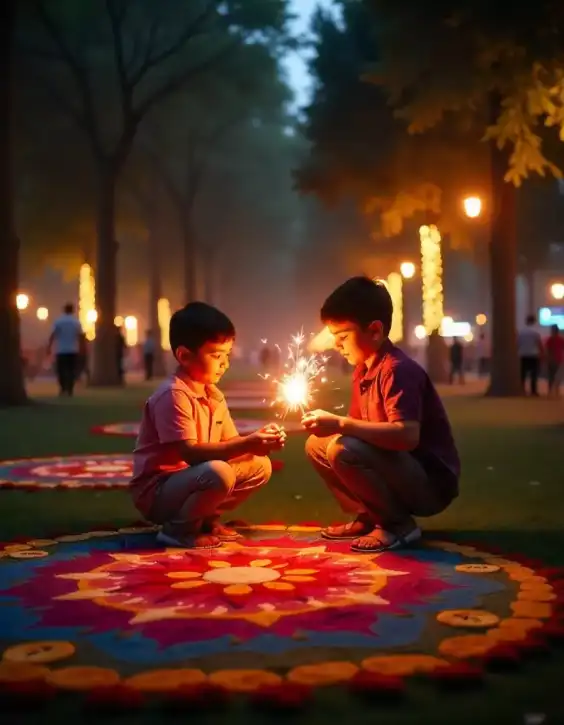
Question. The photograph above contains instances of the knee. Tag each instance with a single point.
(263, 469)
(343, 449)
(315, 447)
(220, 475)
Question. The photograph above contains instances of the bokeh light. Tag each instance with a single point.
(472, 206)
(481, 319)
(407, 270)
(557, 291)
(22, 301)
(42, 313)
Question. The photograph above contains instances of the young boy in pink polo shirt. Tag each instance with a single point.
(190, 464)
(393, 457)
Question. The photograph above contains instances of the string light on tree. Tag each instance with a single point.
(164, 314)
(431, 277)
(394, 283)
(87, 301)
(131, 331)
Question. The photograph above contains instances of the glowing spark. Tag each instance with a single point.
(294, 388)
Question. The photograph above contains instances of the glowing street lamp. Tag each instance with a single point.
(42, 313)
(472, 206)
(22, 302)
(407, 270)
(481, 319)
(420, 332)
(557, 291)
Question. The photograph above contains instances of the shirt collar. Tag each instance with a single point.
(367, 373)
(210, 391)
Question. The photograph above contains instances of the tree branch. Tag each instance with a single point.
(117, 12)
(152, 60)
(174, 84)
(77, 70)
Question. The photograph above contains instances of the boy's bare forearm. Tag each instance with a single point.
(194, 453)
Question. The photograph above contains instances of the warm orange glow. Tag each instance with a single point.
(472, 206)
(131, 331)
(557, 291)
(42, 313)
(481, 319)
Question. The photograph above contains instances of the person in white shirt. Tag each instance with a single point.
(67, 339)
(530, 347)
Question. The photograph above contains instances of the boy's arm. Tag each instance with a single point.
(402, 400)
(176, 426)
(228, 429)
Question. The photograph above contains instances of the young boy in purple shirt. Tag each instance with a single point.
(393, 457)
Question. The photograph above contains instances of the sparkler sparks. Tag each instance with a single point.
(294, 390)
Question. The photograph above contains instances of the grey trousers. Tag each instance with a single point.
(208, 489)
(389, 487)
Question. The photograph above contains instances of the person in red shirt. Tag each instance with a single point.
(394, 456)
(554, 350)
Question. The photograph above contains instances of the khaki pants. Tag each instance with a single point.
(205, 490)
(388, 486)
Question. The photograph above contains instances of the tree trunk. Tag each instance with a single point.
(106, 372)
(155, 294)
(12, 388)
(505, 381)
(190, 262)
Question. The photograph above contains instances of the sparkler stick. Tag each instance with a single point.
(294, 389)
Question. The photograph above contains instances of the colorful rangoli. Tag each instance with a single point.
(94, 471)
(273, 615)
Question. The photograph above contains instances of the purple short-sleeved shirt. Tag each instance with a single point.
(395, 388)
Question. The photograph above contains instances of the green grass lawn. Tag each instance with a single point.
(512, 496)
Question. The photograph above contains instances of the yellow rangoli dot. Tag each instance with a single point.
(17, 547)
(300, 572)
(299, 578)
(184, 574)
(40, 543)
(279, 585)
(188, 584)
(21, 672)
(260, 562)
(165, 680)
(244, 680)
(324, 673)
(41, 652)
(82, 678)
(237, 589)
(219, 564)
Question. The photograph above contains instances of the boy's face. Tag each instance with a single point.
(355, 343)
(209, 363)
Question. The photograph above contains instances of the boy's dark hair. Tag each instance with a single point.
(360, 300)
(198, 323)
(68, 309)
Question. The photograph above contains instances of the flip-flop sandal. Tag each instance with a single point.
(398, 543)
(228, 535)
(325, 534)
(187, 542)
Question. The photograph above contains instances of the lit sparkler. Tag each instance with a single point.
(294, 390)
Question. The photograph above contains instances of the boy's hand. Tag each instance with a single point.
(269, 438)
(322, 423)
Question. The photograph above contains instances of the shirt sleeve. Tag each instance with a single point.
(229, 429)
(174, 417)
(402, 393)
